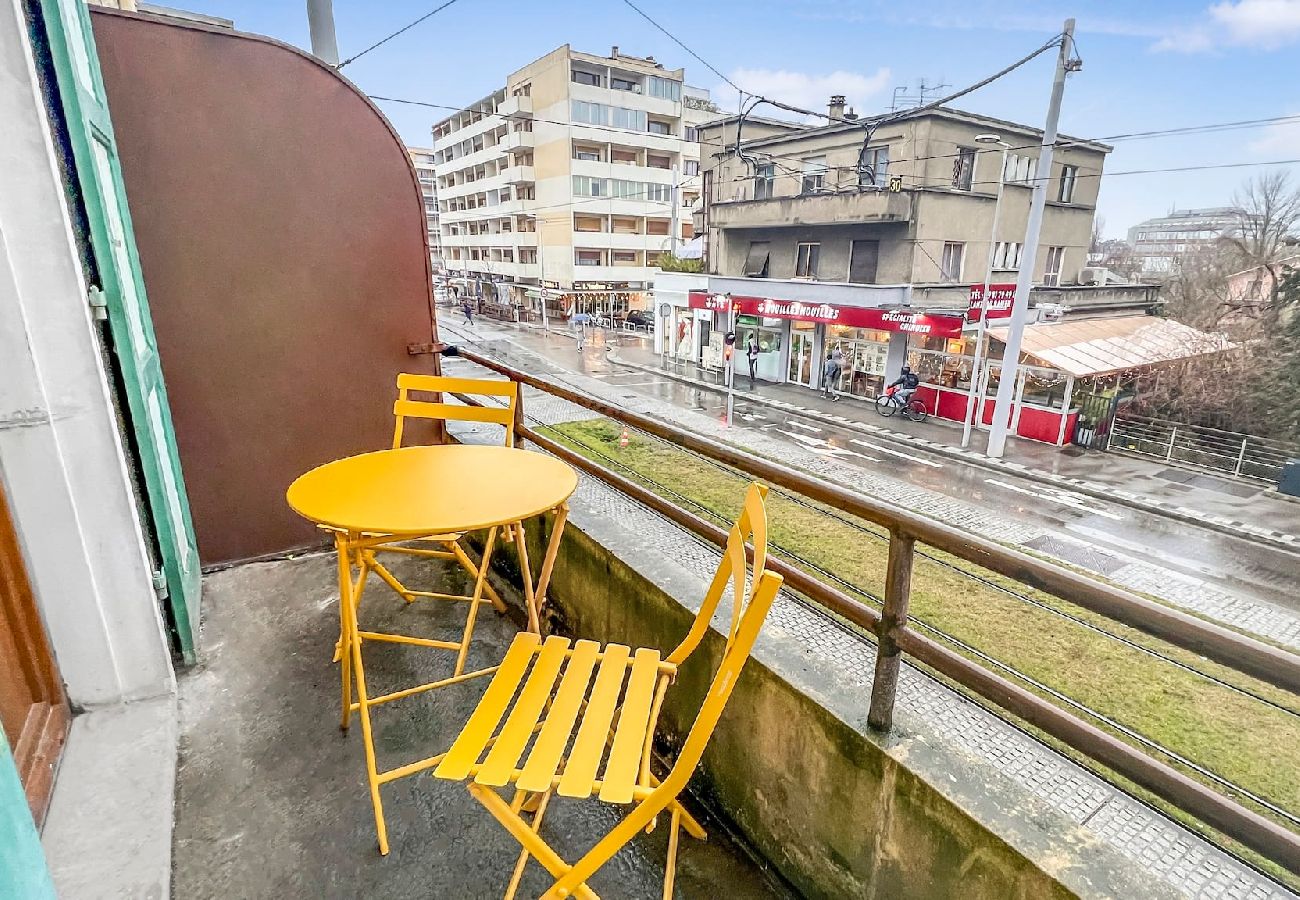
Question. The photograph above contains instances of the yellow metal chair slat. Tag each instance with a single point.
(464, 753)
(544, 760)
(633, 720)
(522, 721)
(579, 775)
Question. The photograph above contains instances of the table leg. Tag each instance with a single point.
(526, 576)
(479, 584)
(548, 562)
(363, 709)
(342, 652)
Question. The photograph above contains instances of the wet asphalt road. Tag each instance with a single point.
(1234, 565)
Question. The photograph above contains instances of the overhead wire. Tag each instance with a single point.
(402, 30)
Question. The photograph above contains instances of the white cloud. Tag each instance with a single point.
(1256, 24)
(804, 89)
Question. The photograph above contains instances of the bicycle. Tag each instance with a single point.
(889, 403)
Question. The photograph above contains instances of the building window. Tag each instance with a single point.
(756, 261)
(622, 84)
(664, 88)
(1020, 169)
(764, 180)
(874, 168)
(963, 169)
(659, 193)
(657, 226)
(585, 113)
(586, 186)
(591, 154)
(631, 119)
(691, 167)
(863, 258)
(590, 78)
(587, 257)
(692, 134)
(1006, 255)
(814, 174)
(588, 223)
(950, 266)
(657, 127)
(1068, 176)
(805, 263)
(625, 258)
(1055, 260)
(654, 161)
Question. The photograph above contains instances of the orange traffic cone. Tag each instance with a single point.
(623, 439)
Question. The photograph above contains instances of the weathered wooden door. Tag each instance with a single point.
(33, 710)
(120, 286)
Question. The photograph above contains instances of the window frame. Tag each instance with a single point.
(805, 263)
(813, 168)
(599, 80)
(1069, 181)
(764, 178)
(963, 168)
(1052, 274)
(757, 247)
(880, 174)
(945, 272)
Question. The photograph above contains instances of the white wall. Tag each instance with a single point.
(61, 457)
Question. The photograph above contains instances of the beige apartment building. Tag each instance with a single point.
(422, 159)
(569, 182)
(919, 210)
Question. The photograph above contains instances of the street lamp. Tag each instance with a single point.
(975, 373)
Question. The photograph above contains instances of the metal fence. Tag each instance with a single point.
(896, 636)
(1224, 452)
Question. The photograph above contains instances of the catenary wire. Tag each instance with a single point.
(401, 30)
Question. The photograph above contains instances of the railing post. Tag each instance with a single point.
(1173, 433)
(898, 593)
(1241, 457)
(519, 415)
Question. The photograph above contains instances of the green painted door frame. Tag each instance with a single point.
(23, 871)
(121, 289)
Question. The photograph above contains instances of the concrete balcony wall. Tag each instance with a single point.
(813, 209)
(516, 106)
(836, 293)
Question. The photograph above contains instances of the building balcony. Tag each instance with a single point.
(653, 244)
(517, 175)
(841, 208)
(516, 107)
(515, 140)
(500, 239)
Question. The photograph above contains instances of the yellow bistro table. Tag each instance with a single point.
(372, 500)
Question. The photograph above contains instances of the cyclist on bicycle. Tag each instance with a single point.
(906, 384)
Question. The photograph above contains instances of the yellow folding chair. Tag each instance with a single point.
(610, 697)
(448, 546)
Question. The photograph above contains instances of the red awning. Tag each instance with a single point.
(910, 321)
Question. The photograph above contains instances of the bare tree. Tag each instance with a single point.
(1098, 235)
(1269, 212)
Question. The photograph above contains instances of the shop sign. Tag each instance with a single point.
(1001, 298)
(851, 316)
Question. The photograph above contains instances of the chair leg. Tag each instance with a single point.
(670, 869)
(527, 838)
(343, 650)
(479, 584)
(536, 828)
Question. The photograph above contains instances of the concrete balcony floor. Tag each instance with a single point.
(271, 797)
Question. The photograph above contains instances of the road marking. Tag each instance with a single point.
(626, 384)
(821, 447)
(1074, 501)
(813, 428)
(924, 462)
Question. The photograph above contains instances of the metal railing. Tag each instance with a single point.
(1212, 449)
(895, 636)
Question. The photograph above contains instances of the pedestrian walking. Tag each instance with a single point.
(468, 310)
(580, 321)
(751, 354)
(831, 376)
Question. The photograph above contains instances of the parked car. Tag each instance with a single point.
(640, 317)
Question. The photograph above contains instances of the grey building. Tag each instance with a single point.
(422, 159)
(1160, 244)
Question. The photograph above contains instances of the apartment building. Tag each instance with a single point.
(875, 236)
(422, 159)
(1159, 244)
(569, 182)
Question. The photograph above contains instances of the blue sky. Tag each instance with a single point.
(1147, 65)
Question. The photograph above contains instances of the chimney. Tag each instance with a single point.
(836, 108)
(613, 53)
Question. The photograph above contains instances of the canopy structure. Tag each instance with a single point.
(1102, 346)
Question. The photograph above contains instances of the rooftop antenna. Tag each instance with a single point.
(905, 98)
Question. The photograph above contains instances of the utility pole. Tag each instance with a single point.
(672, 237)
(975, 396)
(1025, 279)
(320, 19)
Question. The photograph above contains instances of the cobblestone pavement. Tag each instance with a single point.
(1171, 853)
(1171, 587)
